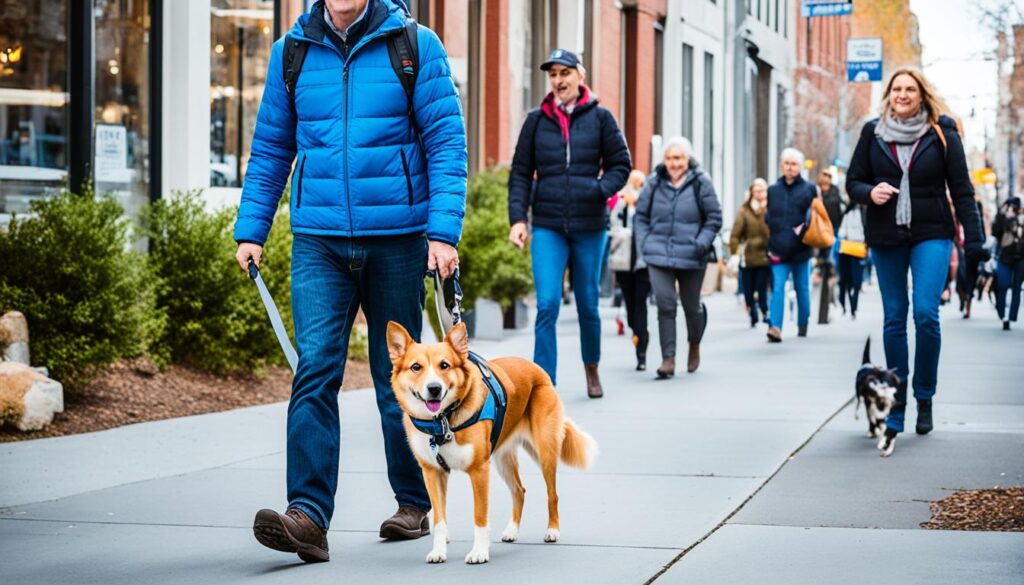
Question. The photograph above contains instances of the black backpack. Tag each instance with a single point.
(403, 48)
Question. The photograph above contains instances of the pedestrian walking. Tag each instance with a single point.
(903, 164)
(852, 252)
(678, 216)
(634, 283)
(1008, 229)
(789, 203)
(831, 198)
(377, 198)
(570, 158)
(750, 232)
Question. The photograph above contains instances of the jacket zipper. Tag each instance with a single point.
(408, 177)
(302, 169)
(344, 132)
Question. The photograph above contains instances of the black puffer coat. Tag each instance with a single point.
(932, 168)
(570, 192)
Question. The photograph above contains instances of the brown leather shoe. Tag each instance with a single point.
(292, 532)
(667, 369)
(774, 335)
(693, 360)
(594, 389)
(406, 524)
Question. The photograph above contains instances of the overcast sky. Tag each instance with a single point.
(955, 47)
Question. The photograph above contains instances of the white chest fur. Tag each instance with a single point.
(455, 455)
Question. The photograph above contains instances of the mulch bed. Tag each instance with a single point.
(134, 391)
(993, 510)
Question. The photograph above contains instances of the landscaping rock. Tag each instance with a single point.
(28, 399)
(14, 338)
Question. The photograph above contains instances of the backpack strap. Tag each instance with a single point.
(293, 57)
(404, 51)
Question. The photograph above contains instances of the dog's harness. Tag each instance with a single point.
(495, 404)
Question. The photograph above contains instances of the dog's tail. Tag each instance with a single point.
(867, 352)
(579, 449)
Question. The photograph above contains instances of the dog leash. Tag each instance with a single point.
(447, 297)
(275, 316)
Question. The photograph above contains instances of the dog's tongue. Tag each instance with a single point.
(433, 405)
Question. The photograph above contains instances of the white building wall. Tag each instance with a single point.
(186, 97)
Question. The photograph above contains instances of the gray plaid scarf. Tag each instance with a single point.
(904, 133)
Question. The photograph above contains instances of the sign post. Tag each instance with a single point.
(864, 60)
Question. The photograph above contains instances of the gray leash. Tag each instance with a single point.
(275, 316)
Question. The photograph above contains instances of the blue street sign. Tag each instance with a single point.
(809, 8)
(864, 71)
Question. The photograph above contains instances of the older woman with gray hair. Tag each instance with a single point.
(789, 200)
(677, 218)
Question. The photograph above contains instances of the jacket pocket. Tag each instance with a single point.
(302, 169)
(408, 177)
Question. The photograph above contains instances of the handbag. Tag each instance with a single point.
(819, 233)
(855, 249)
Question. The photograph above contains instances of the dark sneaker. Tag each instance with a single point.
(774, 335)
(406, 524)
(924, 417)
(291, 532)
(802, 331)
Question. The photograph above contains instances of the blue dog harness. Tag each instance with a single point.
(494, 407)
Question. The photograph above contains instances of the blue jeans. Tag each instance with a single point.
(928, 262)
(851, 277)
(552, 251)
(1008, 279)
(331, 278)
(801, 272)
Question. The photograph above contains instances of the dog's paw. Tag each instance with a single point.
(887, 444)
(511, 533)
(551, 535)
(437, 556)
(478, 556)
(873, 434)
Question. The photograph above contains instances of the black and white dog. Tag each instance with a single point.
(876, 388)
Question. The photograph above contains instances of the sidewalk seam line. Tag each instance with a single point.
(725, 520)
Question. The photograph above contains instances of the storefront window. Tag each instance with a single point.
(241, 36)
(121, 142)
(33, 101)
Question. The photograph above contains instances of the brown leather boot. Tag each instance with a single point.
(667, 369)
(693, 360)
(406, 524)
(594, 389)
(292, 532)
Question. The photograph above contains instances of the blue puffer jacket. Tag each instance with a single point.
(361, 170)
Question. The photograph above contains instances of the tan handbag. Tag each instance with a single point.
(819, 233)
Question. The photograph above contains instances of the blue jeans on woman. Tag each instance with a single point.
(331, 278)
(552, 251)
(928, 263)
(801, 272)
(851, 277)
(1008, 279)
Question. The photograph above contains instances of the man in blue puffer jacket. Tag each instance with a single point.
(377, 197)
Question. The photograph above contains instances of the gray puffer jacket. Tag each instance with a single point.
(670, 228)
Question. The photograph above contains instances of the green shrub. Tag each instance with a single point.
(88, 297)
(216, 320)
(490, 266)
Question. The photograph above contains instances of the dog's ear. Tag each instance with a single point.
(895, 376)
(398, 341)
(458, 338)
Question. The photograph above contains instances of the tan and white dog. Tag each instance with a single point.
(429, 379)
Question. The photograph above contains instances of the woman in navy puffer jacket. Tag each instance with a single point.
(570, 159)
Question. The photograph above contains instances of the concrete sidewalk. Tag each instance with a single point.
(173, 501)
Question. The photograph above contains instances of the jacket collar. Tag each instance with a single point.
(382, 18)
(796, 182)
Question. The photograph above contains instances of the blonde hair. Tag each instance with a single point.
(750, 190)
(930, 99)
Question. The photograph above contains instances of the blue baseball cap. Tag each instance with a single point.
(561, 57)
